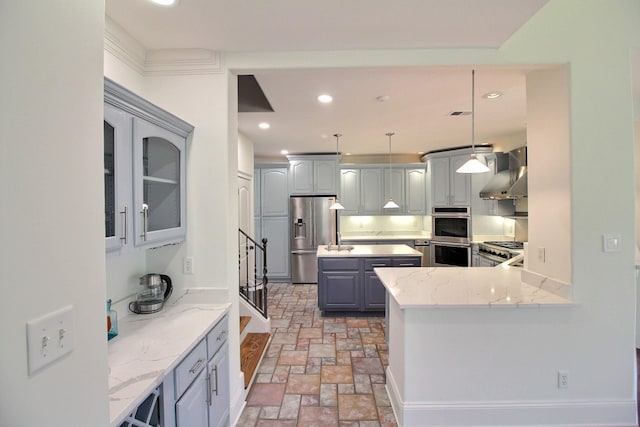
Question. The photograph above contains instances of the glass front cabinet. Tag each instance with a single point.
(144, 170)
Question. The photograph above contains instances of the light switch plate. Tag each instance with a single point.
(611, 242)
(49, 338)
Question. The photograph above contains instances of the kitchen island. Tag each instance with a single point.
(346, 280)
(464, 345)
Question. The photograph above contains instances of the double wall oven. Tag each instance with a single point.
(451, 236)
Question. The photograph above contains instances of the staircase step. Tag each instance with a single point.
(244, 321)
(251, 351)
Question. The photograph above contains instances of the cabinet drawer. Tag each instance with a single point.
(407, 262)
(190, 367)
(371, 263)
(217, 337)
(339, 264)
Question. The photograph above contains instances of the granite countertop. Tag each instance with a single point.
(367, 251)
(150, 346)
(484, 287)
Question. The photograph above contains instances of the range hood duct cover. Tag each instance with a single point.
(510, 183)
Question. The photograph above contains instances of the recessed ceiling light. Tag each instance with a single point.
(285, 152)
(325, 99)
(165, 2)
(492, 95)
(347, 154)
(382, 98)
(420, 152)
(264, 125)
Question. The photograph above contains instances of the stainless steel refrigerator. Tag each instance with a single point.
(313, 224)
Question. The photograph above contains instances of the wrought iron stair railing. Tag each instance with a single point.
(252, 267)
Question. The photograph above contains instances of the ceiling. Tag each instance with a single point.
(419, 99)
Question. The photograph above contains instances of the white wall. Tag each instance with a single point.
(245, 155)
(52, 209)
(549, 173)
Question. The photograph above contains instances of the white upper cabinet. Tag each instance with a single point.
(350, 191)
(159, 187)
(371, 189)
(313, 175)
(145, 172)
(273, 193)
(365, 189)
(117, 178)
(415, 200)
(460, 183)
(449, 188)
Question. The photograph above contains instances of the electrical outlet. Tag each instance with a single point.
(611, 242)
(563, 379)
(187, 265)
(49, 338)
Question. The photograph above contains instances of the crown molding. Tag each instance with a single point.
(165, 62)
(124, 47)
(171, 62)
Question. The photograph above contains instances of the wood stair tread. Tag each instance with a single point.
(244, 321)
(251, 351)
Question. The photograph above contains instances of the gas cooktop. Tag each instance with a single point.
(507, 245)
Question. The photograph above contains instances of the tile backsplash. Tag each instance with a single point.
(377, 223)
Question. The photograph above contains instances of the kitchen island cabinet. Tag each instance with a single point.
(457, 325)
(346, 280)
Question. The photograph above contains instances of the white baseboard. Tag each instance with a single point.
(552, 413)
(238, 401)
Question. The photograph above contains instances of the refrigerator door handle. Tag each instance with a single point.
(313, 229)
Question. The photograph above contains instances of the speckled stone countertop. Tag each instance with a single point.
(484, 287)
(367, 251)
(149, 346)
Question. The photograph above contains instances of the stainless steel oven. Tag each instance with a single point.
(451, 224)
(445, 254)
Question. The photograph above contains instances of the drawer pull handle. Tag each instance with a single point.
(196, 366)
(406, 264)
(378, 265)
(222, 336)
(216, 382)
(209, 400)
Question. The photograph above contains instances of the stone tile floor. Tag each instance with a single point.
(319, 370)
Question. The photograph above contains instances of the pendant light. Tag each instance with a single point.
(390, 204)
(336, 205)
(473, 165)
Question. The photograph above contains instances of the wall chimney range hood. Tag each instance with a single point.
(510, 183)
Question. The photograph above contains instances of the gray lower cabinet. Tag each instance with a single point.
(199, 385)
(350, 284)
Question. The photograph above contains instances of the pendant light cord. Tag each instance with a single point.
(473, 111)
(390, 134)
